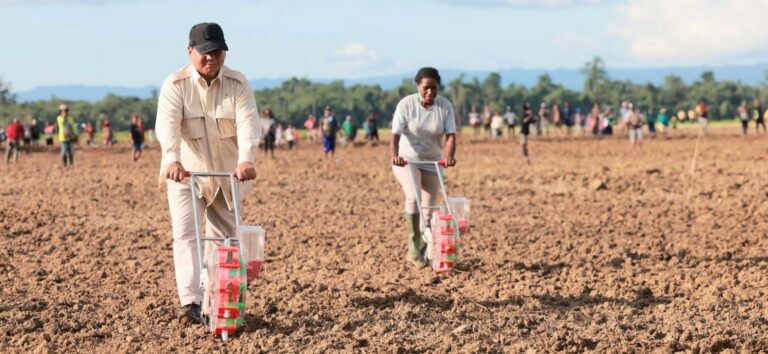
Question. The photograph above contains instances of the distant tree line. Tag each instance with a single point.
(296, 98)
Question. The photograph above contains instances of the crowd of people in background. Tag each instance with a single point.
(20, 137)
(555, 120)
(565, 121)
(756, 113)
(326, 131)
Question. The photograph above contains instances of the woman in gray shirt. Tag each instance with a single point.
(419, 125)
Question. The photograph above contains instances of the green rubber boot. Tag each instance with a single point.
(416, 246)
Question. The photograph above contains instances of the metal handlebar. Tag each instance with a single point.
(198, 227)
(210, 174)
(438, 162)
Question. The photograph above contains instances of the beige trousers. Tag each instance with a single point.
(427, 182)
(219, 221)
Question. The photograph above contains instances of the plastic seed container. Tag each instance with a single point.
(460, 207)
(228, 287)
(252, 240)
(446, 241)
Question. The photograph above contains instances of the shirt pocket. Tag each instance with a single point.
(225, 119)
(226, 127)
(192, 127)
(192, 123)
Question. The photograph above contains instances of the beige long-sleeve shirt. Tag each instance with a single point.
(207, 127)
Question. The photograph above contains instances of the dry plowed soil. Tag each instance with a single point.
(593, 246)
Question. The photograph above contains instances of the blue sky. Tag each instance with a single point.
(138, 42)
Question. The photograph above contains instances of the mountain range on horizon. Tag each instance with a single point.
(572, 78)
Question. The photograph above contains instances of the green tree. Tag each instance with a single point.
(515, 95)
(704, 89)
(646, 95)
(596, 80)
(544, 86)
(491, 90)
(672, 93)
(6, 96)
(297, 97)
(457, 93)
(560, 95)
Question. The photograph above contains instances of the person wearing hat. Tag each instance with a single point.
(67, 135)
(207, 121)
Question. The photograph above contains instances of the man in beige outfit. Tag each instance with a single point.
(207, 120)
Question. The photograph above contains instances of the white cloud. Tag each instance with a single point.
(353, 57)
(680, 30)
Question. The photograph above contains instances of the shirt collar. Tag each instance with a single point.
(199, 79)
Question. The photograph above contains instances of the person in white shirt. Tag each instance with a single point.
(497, 125)
(423, 129)
(474, 121)
(511, 119)
(279, 132)
(290, 136)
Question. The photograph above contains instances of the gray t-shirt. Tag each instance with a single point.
(422, 129)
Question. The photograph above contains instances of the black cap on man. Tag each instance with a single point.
(206, 37)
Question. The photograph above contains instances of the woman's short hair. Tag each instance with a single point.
(427, 73)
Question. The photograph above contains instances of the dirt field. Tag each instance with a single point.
(592, 247)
